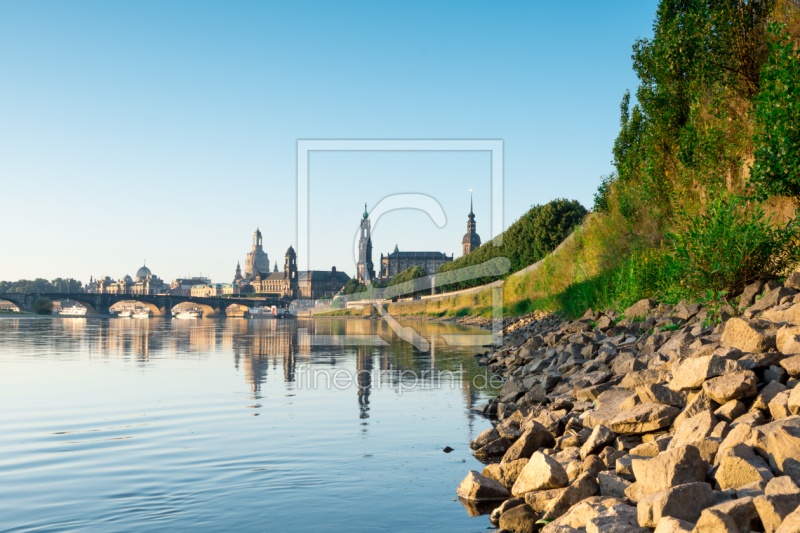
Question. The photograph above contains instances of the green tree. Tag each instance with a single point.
(777, 115)
(43, 306)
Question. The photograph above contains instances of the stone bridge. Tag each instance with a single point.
(159, 304)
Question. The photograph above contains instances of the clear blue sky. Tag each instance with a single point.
(167, 130)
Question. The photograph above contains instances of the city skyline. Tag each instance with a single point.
(173, 147)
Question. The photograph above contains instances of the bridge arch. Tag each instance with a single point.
(17, 306)
(236, 310)
(190, 304)
(153, 308)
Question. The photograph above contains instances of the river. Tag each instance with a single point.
(248, 425)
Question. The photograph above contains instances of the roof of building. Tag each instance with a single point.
(323, 275)
(417, 255)
(471, 237)
(143, 272)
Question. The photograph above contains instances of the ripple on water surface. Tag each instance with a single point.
(120, 424)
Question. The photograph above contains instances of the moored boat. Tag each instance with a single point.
(142, 314)
(72, 311)
(188, 315)
(125, 314)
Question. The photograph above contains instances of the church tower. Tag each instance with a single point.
(257, 260)
(238, 278)
(365, 269)
(290, 273)
(471, 240)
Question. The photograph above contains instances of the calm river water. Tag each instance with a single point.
(220, 425)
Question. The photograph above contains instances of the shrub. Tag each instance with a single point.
(730, 245)
(43, 306)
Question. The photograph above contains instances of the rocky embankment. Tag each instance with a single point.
(659, 422)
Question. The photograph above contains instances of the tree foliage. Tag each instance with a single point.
(43, 306)
(777, 114)
(529, 239)
(40, 285)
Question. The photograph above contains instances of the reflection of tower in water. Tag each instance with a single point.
(269, 342)
(364, 380)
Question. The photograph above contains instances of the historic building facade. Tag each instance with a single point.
(284, 284)
(257, 260)
(397, 261)
(471, 240)
(146, 283)
(316, 284)
(365, 270)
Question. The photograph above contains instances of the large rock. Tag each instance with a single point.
(732, 386)
(477, 488)
(667, 524)
(742, 511)
(600, 437)
(536, 436)
(608, 406)
(787, 340)
(507, 505)
(781, 497)
(505, 473)
(701, 403)
(691, 373)
(794, 401)
(679, 466)
(612, 485)
(539, 500)
(749, 295)
(694, 429)
(640, 309)
(739, 466)
(740, 434)
(792, 365)
(580, 514)
(783, 446)
(580, 489)
(791, 523)
(659, 374)
(779, 406)
(731, 411)
(767, 394)
(484, 438)
(643, 418)
(496, 447)
(685, 502)
(616, 519)
(541, 473)
(770, 299)
(748, 335)
(713, 521)
(519, 519)
(658, 393)
(783, 314)
(512, 389)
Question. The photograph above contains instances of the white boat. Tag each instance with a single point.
(186, 315)
(72, 311)
(125, 314)
(141, 314)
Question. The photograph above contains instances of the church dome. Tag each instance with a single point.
(290, 251)
(143, 272)
(471, 238)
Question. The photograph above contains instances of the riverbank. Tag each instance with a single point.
(680, 418)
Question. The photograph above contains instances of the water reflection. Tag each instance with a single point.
(308, 353)
(147, 425)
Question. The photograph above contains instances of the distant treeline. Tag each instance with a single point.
(525, 242)
(41, 285)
